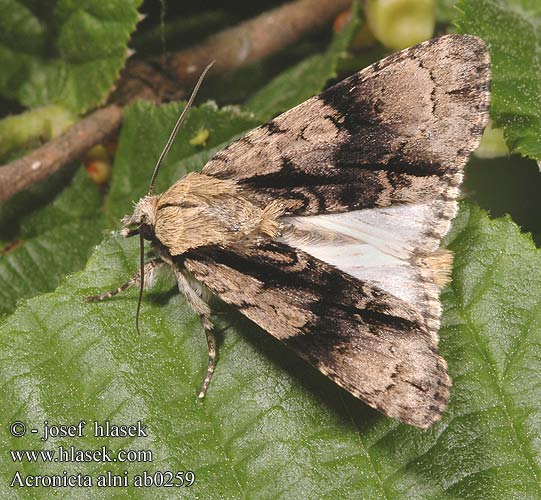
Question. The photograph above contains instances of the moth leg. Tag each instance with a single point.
(203, 311)
(211, 344)
(149, 272)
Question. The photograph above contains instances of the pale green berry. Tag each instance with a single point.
(398, 24)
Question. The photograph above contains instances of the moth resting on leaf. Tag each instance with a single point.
(323, 226)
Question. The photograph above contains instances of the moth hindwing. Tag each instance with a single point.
(323, 226)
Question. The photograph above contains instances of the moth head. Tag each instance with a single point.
(142, 220)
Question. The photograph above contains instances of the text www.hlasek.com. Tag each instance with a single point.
(72, 454)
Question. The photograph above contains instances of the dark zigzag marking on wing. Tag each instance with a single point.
(337, 293)
(310, 195)
(368, 140)
(343, 170)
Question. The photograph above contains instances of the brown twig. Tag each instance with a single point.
(158, 80)
(50, 157)
(255, 39)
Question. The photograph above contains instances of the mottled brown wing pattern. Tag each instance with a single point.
(390, 140)
(369, 342)
(400, 131)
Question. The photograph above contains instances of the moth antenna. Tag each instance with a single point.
(177, 126)
(141, 280)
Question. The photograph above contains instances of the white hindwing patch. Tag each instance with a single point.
(386, 246)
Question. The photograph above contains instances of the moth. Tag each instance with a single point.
(323, 226)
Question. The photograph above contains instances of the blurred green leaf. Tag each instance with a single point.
(506, 186)
(304, 79)
(512, 31)
(34, 126)
(445, 11)
(43, 244)
(63, 52)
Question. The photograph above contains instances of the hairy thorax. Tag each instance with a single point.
(199, 211)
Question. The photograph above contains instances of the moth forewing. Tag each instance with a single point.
(323, 226)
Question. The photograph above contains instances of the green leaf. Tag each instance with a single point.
(492, 338)
(512, 30)
(63, 52)
(268, 415)
(43, 244)
(306, 78)
(36, 125)
(144, 134)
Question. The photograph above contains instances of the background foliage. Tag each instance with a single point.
(271, 427)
